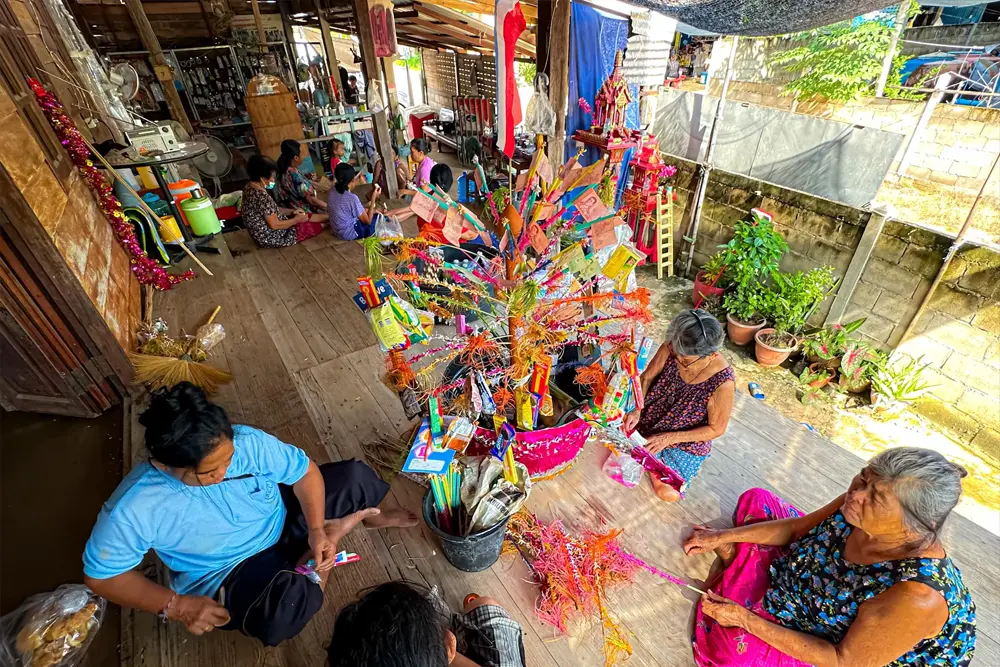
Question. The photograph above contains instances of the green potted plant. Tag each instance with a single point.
(895, 385)
(813, 378)
(858, 364)
(754, 251)
(743, 311)
(788, 305)
(826, 346)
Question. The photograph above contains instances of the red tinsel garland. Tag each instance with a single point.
(146, 270)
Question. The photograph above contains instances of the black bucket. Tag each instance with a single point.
(472, 553)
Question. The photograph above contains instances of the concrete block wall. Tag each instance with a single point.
(959, 332)
(950, 163)
(959, 335)
(971, 34)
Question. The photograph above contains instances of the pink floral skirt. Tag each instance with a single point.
(745, 581)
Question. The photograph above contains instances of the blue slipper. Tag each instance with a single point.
(755, 391)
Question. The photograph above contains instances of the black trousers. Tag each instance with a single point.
(264, 595)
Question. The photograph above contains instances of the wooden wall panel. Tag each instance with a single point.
(442, 82)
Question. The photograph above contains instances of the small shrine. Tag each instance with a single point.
(639, 200)
(608, 131)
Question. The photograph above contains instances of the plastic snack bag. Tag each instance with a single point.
(623, 469)
(51, 629)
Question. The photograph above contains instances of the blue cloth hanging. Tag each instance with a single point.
(594, 39)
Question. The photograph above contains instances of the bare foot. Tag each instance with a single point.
(337, 528)
(392, 518)
(664, 491)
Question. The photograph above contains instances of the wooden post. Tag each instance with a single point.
(876, 221)
(261, 35)
(330, 52)
(370, 66)
(559, 75)
(542, 29)
(162, 69)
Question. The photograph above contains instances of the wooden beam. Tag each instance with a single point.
(261, 35)
(330, 52)
(370, 67)
(485, 40)
(161, 68)
(172, 8)
(468, 24)
(559, 75)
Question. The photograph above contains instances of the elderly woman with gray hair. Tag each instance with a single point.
(689, 389)
(862, 581)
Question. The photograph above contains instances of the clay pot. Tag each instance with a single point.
(771, 356)
(741, 333)
(819, 384)
(703, 290)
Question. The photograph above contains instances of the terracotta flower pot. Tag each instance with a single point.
(821, 382)
(741, 333)
(703, 290)
(768, 355)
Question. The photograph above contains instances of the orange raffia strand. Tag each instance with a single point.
(593, 379)
(479, 350)
(504, 399)
(400, 374)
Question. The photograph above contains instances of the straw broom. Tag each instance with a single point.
(158, 371)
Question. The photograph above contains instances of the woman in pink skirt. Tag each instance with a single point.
(862, 581)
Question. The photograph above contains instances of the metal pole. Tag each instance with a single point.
(902, 18)
(956, 245)
(706, 167)
(940, 87)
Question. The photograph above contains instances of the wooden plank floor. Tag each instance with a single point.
(306, 368)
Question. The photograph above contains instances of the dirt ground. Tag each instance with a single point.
(851, 426)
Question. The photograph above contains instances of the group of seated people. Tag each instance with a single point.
(232, 512)
(281, 205)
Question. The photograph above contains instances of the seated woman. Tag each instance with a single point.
(294, 190)
(862, 581)
(399, 624)
(442, 177)
(231, 511)
(689, 389)
(261, 215)
(349, 219)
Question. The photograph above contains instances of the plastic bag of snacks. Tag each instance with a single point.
(51, 629)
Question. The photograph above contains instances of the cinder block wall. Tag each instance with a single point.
(959, 332)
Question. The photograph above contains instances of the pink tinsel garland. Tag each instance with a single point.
(146, 271)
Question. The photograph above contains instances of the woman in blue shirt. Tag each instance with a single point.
(231, 511)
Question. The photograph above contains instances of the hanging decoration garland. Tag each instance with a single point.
(146, 270)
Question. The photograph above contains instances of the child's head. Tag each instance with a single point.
(343, 177)
(442, 177)
(395, 623)
(338, 148)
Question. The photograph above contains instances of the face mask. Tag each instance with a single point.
(270, 185)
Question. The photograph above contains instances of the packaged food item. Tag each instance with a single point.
(52, 629)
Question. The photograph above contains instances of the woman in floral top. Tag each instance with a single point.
(862, 581)
(295, 191)
(689, 389)
(268, 225)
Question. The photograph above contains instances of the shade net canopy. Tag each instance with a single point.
(761, 17)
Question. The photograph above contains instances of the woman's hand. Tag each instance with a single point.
(703, 540)
(323, 548)
(631, 421)
(376, 191)
(301, 216)
(199, 614)
(726, 613)
(657, 443)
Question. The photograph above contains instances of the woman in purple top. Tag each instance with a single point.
(349, 219)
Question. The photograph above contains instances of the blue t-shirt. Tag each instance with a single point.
(344, 209)
(199, 532)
